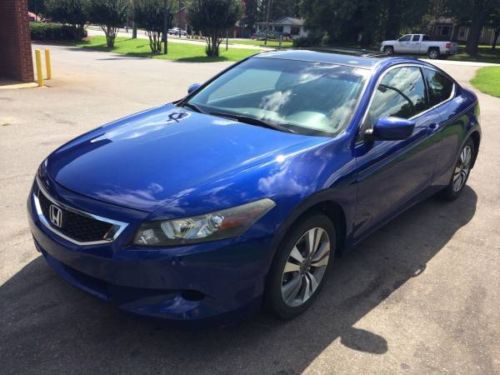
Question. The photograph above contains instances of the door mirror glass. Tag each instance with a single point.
(193, 87)
(391, 129)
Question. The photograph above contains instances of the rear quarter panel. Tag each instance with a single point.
(459, 121)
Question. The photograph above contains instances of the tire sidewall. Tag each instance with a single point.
(389, 51)
(430, 54)
(273, 298)
(448, 193)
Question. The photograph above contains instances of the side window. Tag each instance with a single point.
(425, 38)
(416, 38)
(405, 38)
(440, 86)
(401, 93)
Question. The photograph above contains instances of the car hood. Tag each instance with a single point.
(146, 159)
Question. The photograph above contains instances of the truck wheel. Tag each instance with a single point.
(433, 53)
(389, 51)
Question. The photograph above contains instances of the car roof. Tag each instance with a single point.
(322, 57)
(367, 62)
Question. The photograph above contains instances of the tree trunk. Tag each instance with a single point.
(110, 33)
(479, 15)
(393, 25)
(154, 42)
(134, 30)
(495, 38)
(213, 45)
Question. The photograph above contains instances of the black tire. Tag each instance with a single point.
(451, 192)
(274, 299)
(389, 51)
(433, 53)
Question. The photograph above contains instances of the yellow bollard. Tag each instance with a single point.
(48, 65)
(38, 61)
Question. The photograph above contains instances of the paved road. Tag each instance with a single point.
(419, 296)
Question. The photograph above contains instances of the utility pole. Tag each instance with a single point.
(268, 12)
(165, 27)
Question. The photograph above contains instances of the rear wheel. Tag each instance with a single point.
(433, 53)
(300, 268)
(461, 172)
(389, 51)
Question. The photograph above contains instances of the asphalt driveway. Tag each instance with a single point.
(422, 295)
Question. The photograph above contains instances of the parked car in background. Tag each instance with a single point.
(419, 44)
(246, 190)
(177, 31)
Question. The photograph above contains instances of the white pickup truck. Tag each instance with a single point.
(416, 44)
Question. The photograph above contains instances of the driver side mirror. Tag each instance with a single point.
(193, 87)
(390, 129)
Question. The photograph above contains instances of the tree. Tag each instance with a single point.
(476, 12)
(36, 6)
(150, 15)
(362, 21)
(494, 23)
(110, 15)
(67, 11)
(213, 18)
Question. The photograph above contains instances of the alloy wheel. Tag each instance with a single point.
(305, 267)
(462, 169)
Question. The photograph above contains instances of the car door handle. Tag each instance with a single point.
(434, 126)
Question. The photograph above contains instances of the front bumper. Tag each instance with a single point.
(183, 283)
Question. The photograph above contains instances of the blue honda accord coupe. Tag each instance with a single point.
(243, 193)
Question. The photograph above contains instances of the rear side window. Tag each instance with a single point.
(416, 38)
(401, 93)
(440, 86)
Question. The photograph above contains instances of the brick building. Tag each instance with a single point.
(15, 41)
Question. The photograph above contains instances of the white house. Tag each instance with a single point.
(287, 26)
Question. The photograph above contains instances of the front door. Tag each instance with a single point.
(391, 173)
(403, 44)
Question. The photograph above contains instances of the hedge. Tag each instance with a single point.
(55, 32)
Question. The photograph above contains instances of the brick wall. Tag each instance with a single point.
(15, 41)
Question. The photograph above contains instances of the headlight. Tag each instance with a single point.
(231, 222)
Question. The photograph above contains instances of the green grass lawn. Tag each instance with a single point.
(260, 43)
(176, 51)
(485, 55)
(487, 80)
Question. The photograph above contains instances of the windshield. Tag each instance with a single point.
(297, 96)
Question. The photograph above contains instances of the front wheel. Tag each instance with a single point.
(389, 51)
(300, 268)
(461, 172)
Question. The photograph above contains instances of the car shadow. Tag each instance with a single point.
(50, 326)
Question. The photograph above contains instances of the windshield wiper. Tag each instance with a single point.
(253, 121)
(192, 106)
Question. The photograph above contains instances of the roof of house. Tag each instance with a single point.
(288, 21)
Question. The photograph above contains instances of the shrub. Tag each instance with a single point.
(213, 18)
(56, 32)
(110, 15)
(67, 12)
(313, 39)
(150, 15)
